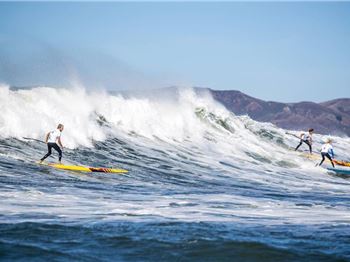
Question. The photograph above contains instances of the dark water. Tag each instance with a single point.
(172, 241)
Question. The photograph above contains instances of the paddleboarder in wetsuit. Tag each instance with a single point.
(307, 139)
(327, 151)
(53, 140)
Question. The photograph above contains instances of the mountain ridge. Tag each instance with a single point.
(329, 117)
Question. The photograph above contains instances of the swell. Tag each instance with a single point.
(177, 241)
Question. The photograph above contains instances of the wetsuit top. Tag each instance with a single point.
(53, 136)
(327, 148)
(306, 136)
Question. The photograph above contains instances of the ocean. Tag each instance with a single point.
(203, 184)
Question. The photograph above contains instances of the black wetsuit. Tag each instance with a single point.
(306, 142)
(49, 151)
(323, 154)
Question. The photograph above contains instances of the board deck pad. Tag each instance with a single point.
(84, 168)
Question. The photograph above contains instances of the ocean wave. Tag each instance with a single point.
(191, 162)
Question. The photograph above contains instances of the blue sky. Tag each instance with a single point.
(274, 51)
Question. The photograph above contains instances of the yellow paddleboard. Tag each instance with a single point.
(318, 157)
(85, 169)
(314, 156)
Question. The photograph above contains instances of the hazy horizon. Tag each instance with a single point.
(286, 52)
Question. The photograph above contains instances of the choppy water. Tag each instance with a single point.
(203, 184)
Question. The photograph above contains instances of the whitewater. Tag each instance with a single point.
(203, 184)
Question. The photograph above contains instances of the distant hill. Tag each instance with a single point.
(331, 117)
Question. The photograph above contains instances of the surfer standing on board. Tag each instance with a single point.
(51, 139)
(327, 151)
(307, 139)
